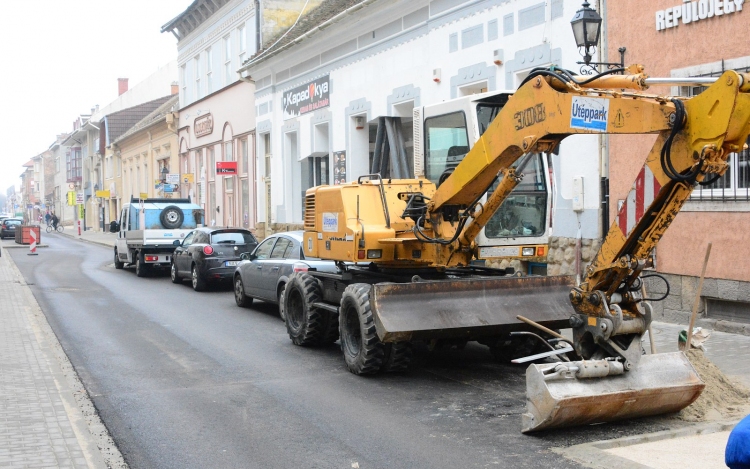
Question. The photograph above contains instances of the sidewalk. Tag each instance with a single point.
(103, 238)
(42, 424)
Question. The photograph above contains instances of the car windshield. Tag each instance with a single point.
(232, 238)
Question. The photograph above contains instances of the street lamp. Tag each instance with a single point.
(587, 25)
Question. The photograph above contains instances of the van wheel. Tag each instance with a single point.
(363, 350)
(304, 323)
(118, 264)
(141, 269)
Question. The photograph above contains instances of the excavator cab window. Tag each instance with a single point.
(447, 144)
(524, 212)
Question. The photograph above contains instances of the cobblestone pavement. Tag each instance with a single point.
(40, 423)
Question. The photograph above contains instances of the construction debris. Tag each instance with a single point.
(722, 398)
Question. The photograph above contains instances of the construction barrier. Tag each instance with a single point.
(23, 234)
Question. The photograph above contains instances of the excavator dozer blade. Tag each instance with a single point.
(660, 384)
(468, 308)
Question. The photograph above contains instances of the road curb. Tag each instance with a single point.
(99, 448)
(594, 455)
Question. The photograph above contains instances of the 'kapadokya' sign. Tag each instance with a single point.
(691, 11)
(305, 98)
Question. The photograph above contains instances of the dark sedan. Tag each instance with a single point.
(210, 254)
(265, 272)
(8, 227)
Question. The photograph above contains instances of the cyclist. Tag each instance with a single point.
(55, 221)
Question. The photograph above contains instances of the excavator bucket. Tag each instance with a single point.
(468, 308)
(659, 384)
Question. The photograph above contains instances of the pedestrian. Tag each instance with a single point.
(47, 218)
(737, 454)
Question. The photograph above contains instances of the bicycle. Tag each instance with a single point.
(51, 228)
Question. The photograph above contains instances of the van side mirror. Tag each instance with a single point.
(176, 242)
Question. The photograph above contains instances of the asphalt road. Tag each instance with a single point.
(184, 379)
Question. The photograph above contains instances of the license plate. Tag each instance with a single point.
(231, 263)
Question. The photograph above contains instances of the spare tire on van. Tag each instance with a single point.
(171, 217)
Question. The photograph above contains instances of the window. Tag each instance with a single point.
(209, 71)
(734, 185)
(183, 81)
(197, 64)
(233, 237)
(280, 248)
(245, 204)
(228, 152)
(211, 163)
(447, 144)
(73, 165)
(243, 156)
(227, 60)
(267, 149)
(524, 211)
(188, 239)
(243, 43)
(264, 250)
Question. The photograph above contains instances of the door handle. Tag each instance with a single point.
(275, 268)
(258, 267)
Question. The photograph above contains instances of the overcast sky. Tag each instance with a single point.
(63, 57)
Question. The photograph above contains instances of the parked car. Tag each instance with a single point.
(263, 274)
(8, 227)
(210, 254)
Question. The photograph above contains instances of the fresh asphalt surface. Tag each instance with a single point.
(184, 379)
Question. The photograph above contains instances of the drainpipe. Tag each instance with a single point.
(604, 139)
(258, 45)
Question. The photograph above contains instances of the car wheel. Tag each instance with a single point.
(199, 283)
(141, 269)
(118, 265)
(363, 351)
(173, 275)
(305, 324)
(282, 292)
(242, 300)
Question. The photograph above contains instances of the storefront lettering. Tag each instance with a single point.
(203, 125)
(691, 11)
(306, 98)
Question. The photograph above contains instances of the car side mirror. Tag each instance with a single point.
(176, 242)
(246, 256)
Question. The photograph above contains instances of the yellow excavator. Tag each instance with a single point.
(406, 252)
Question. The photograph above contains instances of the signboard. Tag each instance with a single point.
(188, 178)
(203, 125)
(339, 167)
(589, 113)
(306, 98)
(173, 178)
(170, 187)
(143, 195)
(81, 212)
(71, 196)
(79, 197)
(102, 194)
(226, 167)
(691, 12)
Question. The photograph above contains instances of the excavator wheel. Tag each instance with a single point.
(397, 357)
(363, 351)
(305, 324)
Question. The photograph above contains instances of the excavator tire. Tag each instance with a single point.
(363, 350)
(331, 328)
(397, 357)
(305, 324)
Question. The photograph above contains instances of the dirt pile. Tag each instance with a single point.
(722, 397)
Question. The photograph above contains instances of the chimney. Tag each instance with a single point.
(122, 85)
(175, 88)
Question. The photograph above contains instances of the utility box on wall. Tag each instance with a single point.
(578, 193)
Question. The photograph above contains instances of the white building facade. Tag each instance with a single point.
(384, 58)
(216, 116)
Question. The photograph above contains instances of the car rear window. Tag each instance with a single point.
(12, 222)
(232, 238)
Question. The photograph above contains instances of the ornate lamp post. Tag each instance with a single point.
(587, 25)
